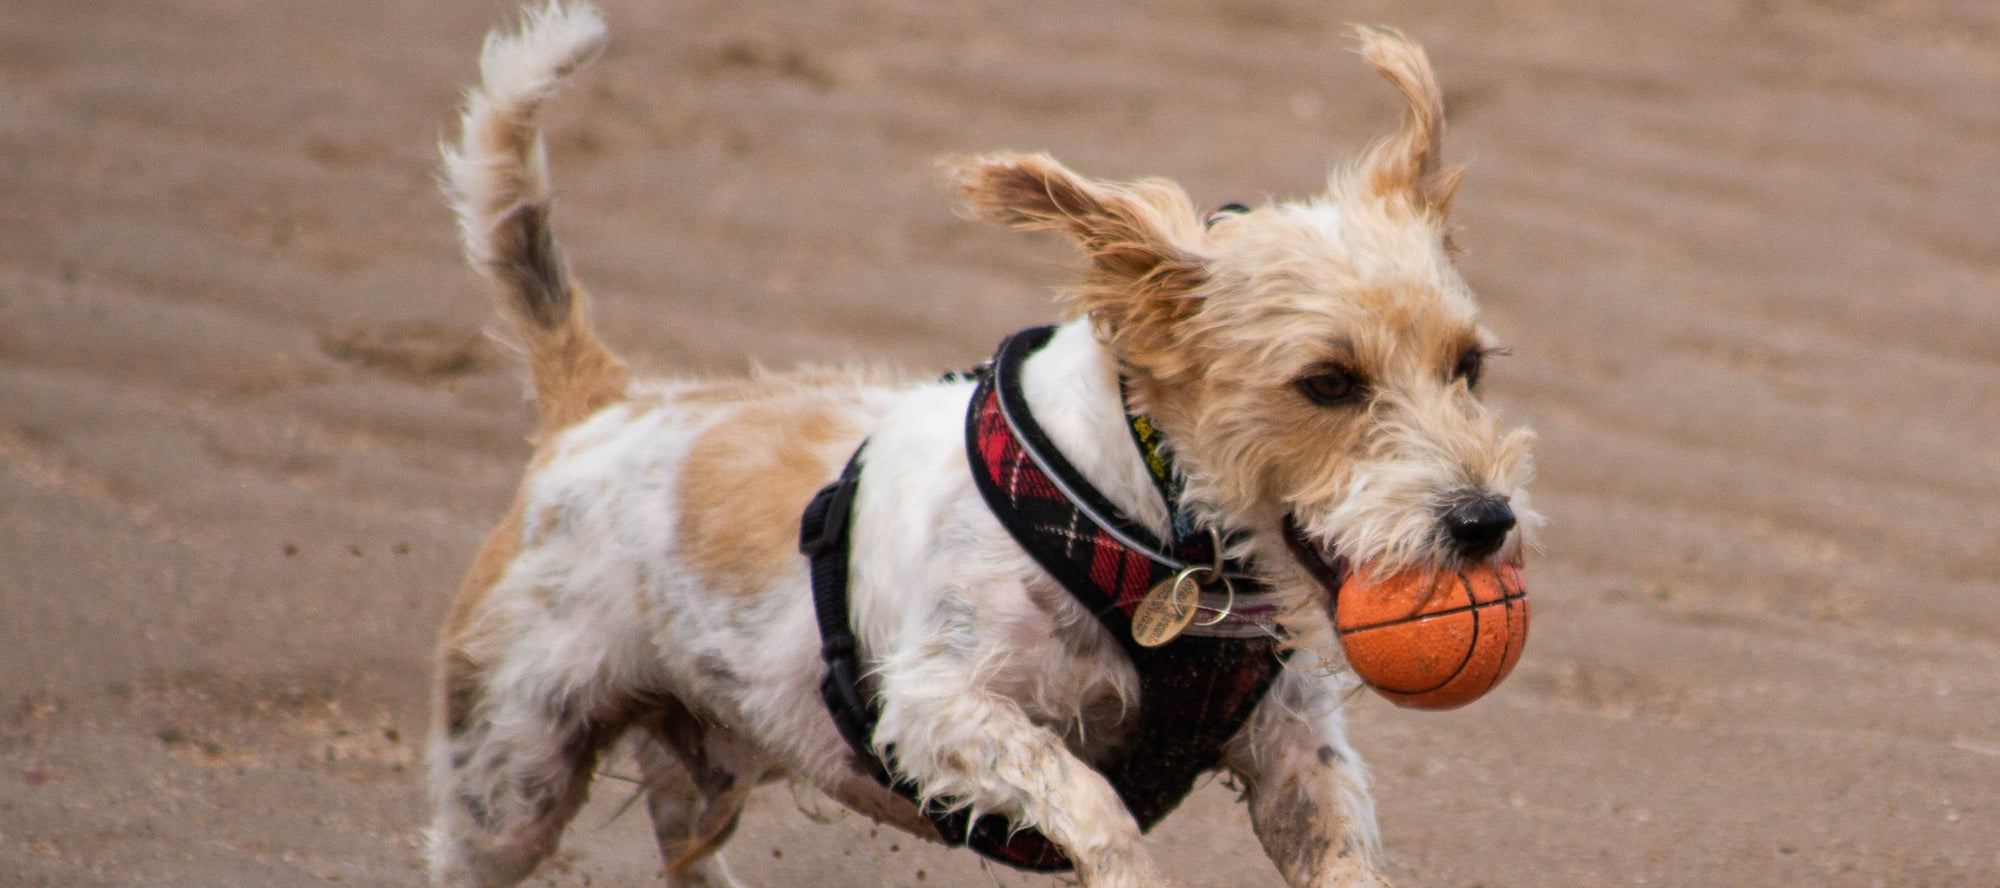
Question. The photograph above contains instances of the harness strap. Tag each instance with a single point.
(1195, 691)
(825, 539)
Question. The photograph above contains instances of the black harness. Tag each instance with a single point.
(1195, 691)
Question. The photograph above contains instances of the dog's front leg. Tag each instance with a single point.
(963, 742)
(1308, 791)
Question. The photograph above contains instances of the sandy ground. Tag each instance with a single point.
(250, 430)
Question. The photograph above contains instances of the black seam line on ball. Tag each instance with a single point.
(1504, 599)
(1456, 671)
(1507, 638)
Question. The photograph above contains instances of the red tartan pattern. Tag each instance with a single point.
(1195, 693)
(1125, 574)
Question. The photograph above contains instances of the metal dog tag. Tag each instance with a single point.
(1167, 609)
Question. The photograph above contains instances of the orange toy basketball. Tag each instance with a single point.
(1434, 639)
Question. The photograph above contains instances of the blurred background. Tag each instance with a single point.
(252, 429)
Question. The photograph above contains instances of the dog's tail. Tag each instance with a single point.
(497, 180)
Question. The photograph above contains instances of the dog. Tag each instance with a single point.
(1311, 369)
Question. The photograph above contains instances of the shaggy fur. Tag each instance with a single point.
(1312, 366)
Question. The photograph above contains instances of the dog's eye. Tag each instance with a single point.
(1330, 387)
(1223, 212)
(1469, 365)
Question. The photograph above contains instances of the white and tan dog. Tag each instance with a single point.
(1313, 367)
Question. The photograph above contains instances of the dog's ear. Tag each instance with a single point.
(1408, 161)
(1145, 273)
(1129, 229)
(1139, 236)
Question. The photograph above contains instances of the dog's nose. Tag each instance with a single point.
(1480, 525)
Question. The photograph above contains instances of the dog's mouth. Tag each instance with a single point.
(1326, 568)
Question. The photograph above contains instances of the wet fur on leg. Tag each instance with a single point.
(645, 580)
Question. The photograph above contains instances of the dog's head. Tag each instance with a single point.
(1314, 365)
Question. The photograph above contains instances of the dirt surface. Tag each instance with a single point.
(1745, 253)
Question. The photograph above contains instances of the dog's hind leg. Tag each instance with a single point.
(507, 780)
(530, 690)
(696, 784)
(677, 807)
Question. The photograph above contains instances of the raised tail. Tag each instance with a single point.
(497, 180)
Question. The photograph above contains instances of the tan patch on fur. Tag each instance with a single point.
(487, 568)
(575, 374)
(746, 481)
(457, 672)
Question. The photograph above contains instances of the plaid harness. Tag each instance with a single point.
(1195, 691)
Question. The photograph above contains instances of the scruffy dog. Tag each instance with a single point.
(1311, 369)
